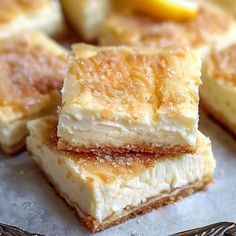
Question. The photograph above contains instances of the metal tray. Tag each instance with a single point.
(29, 202)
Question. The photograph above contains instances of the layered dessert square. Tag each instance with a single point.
(218, 92)
(41, 15)
(106, 191)
(213, 27)
(130, 100)
(31, 76)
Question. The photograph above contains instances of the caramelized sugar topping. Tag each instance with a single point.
(223, 64)
(120, 79)
(9, 9)
(28, 74)
(208, 21)
(141, 30)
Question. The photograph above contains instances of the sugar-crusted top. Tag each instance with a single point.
(131, 81)
(142, 30)
(222, 65)
(11, 9)
(29, 73)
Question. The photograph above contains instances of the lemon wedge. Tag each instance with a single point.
(177, 10)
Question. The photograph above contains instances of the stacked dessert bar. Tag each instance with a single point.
(126, 138)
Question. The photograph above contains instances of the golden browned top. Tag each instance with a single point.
(222, 65)
(141, 30)
(11, 9)
(133, 80)
(106, 167)
(28, 73)
(210, 20)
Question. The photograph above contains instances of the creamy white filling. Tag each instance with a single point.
(49, 20)
(12, 133)
(13, 123)
(100, 199)
(77, 126)
(218, 42)
(221, 96)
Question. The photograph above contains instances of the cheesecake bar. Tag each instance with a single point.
(86, 16)
(132, 100)
(218, 92)
(213, 27)
(106, 191)
(40, 15)
(229, 5)
(31, 76)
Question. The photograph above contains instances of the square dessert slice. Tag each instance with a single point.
(106, 191)
(86, 16)
(40, 15)
(213, 27)
(133, 100)
(31, 76)
(218, 93)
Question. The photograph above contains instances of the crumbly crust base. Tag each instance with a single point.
(14, 149)
(161, 200)
(218, 117)
(129, 150)
(154, 203)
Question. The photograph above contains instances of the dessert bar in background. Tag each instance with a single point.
(31, 76)
(218, 92)
(213, 27)
(86, 16)
(40, 15)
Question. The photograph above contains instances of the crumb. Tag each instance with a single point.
(135, 234)
(139, 221)
(22, 172)
(222, 173)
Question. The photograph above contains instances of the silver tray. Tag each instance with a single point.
(29, 202)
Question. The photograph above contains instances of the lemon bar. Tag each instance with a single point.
(218, 93)
(106, 191)
(31, 77)
(124, 99)
(213, 27)
(40, 15)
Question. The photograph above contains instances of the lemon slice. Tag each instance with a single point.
(177, 10)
